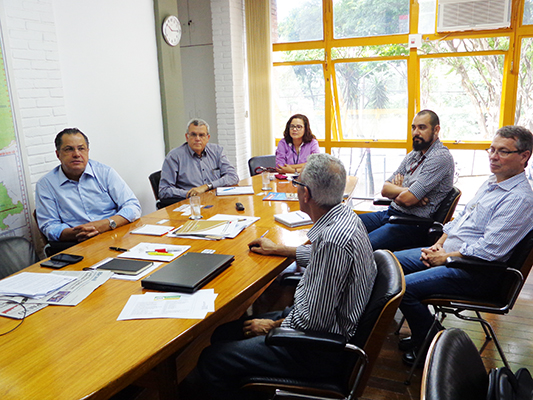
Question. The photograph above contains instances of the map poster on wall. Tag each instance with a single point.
(14, 210)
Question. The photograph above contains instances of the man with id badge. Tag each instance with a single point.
(194, 167)
(490, 226)
(416, 188)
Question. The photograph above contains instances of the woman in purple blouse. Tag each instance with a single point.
(297, 144)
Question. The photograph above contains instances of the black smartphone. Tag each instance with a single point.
(67, 258)
(54, 264)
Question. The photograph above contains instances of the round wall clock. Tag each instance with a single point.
(171, 30)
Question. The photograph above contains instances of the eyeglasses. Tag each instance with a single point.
(197, 135)
(501, 153)
(295, 183)
(70, 149)
(296, 127)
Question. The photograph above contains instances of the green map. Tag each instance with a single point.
(14, 210)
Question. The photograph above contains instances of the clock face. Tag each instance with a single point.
(172, 30)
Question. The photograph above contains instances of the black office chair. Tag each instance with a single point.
(16, 253)
(261, 161)
(514, 274)
(454, 369)
(364, 347)
(441, 216)
(154, 178)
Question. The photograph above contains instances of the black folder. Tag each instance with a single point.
(188, 273)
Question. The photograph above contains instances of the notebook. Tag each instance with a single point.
(293, 219)
(188, 273)
(124, 266)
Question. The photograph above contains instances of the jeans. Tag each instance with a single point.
(422, 283)
(392, 236)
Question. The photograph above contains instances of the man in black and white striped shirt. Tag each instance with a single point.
(337, 283)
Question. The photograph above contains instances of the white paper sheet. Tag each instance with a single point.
(169, 305)
(154, 230)
(32, 284)
(142, 250)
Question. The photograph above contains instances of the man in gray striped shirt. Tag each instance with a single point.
(336, 285)
(490, 226)
(416, 188)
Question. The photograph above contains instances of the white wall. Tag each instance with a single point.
(108, 59)
(93, 65)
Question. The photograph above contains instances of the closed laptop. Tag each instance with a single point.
(188, 273)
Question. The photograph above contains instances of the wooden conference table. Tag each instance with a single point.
(83, 352)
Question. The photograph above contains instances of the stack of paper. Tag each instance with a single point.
(33, 285)
(234, 190)
(154, 230)
(169, 305)
(294, 219)
(154, 252)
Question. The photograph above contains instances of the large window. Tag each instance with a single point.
(361, 69)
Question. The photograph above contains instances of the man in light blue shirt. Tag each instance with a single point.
(81, 198)
(195, 167)
(490, 226)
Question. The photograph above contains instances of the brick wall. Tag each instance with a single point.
(30, 37)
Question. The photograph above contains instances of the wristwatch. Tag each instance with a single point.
(209, 186)
(112, 223)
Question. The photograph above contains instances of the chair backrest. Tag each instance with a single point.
(154, 178)
(375, 321)
(454, 369)
(522, 260)
(16, 253)
(261, 161)
(447, 207)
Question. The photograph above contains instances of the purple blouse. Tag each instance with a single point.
(285, 153)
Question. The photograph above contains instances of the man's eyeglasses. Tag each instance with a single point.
(296, 127)
(501, 153)
(197, 135)
(70, 149)
(295, 183)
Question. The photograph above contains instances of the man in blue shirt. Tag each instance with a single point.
(416, 188)
(81, 198)
(490, 226)
(195, 167)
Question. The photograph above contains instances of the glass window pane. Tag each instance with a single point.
(298, 55)
(371, 166)
(471, 170)
(465, 45)
(528, 12)
(465, 92)
(524, 99)
(387, 50)
(373, 99)
(296, 21)
(299, 89)
(427, 10)
(369, 18)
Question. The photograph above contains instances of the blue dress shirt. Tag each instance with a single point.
(100, 193)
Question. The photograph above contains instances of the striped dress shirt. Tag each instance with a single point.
(339, 277)
(494, 221)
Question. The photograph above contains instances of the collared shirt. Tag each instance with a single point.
(430, 176)
(494, 221)
(183, 170)
(339, 277)
(100, 193)
(286, 154)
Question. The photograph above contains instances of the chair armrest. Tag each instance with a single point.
(291, 279)
(312, 340)
(382, 201)
(400, 219)
(474, 263)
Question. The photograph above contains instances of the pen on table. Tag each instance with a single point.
(117, 248)
(225, 190)
(263, 235)
(300, 215)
